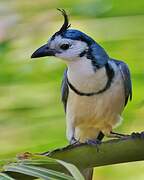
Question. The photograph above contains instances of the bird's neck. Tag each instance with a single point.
(82, 76)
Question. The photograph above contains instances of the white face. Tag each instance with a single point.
(67, 49)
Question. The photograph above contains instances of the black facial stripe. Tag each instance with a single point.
(95, 65)
(91, 58)
(93, 61)
(82, 53)
(110, 72)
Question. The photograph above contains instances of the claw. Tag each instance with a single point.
(118, 135)
(142, 134)
(137, 135)
(74, 141)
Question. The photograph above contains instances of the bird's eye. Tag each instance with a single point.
(64, 46)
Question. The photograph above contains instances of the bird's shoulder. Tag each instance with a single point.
(126, 76)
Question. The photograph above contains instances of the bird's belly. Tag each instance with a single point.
(101, 112)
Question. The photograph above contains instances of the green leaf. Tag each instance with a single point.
(5, 177)
(38, 172)
(42, 166)
(73, 170)
(46, 162)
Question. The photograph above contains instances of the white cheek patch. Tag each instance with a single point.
(79, 46)
(74, 51)
(76, 48)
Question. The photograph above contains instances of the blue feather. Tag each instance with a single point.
(77, 35)
(126, 79)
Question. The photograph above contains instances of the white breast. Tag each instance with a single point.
(86, 116)
(82, 76)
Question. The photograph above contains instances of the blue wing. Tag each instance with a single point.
(64, 90)
(126, 79)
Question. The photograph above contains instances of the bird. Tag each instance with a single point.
(95, 87)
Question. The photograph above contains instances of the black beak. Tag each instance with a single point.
(43, 51)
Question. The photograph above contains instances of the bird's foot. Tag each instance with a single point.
(117, 135)
(74, 142)
(137, 135)
(94, 142)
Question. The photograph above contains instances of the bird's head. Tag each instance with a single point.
(70, 44)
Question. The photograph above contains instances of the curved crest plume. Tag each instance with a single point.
(66, 24)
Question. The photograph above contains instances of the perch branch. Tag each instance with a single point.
(107, 153)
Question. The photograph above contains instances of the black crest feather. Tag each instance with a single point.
(66, 24)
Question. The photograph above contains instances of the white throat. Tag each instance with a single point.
(82, 76)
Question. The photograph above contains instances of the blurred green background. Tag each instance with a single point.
(31, 114)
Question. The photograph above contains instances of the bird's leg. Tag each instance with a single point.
(94, 142)
(117, 135)
(74, 141)
(137, 135)
(70, 132)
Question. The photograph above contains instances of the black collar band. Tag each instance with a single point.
(110, 75)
